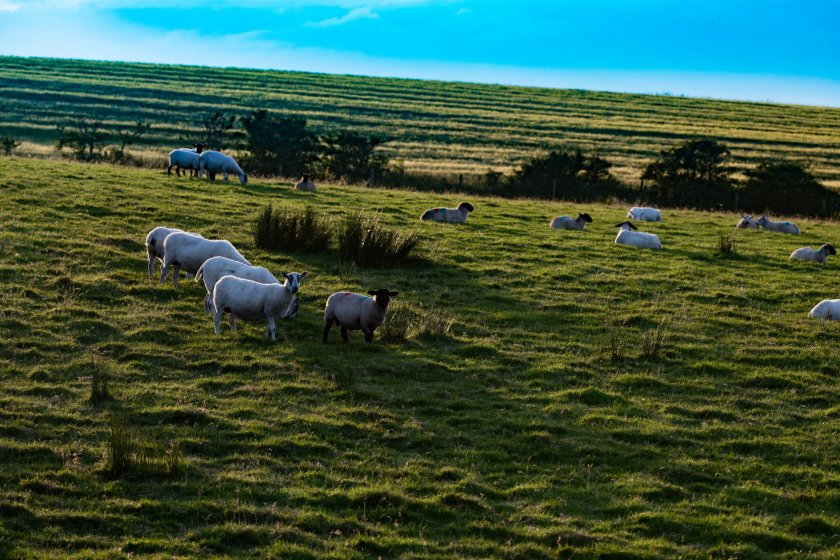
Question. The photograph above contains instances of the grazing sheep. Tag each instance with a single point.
(565, 222)
(252, 301)
(215, 268)
(636, 238)
(356, 311)
(814, 255)
(828, 309)
(189, 252)
(305, 184)
(154, 245)
(747, 222)
(781, 227)
(449, 215)
(184, 158)
(216, 162)
(644, 214)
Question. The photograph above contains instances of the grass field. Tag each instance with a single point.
(434, 127)
(590, 401)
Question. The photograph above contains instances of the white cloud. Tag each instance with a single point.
(352, 5)
(352, 15)
(6, 6)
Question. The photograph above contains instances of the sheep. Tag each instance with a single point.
(449, 215)
(154, 245)
(781, 227)
(215, 267)
(747, 222)
(644, 214)
(305, 184)
(356, 311)
(636, 238)
(189, 252)
(814, 255)
(184, 158)
(828, 309)
(252, 301)
(565, 222)
(216, 162)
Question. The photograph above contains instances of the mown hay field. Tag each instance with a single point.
(434, 127)
(588, 401)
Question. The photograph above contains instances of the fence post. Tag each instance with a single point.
(460, 181)
(553, 189)
(372, 175)
(279, 169)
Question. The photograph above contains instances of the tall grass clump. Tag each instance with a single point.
(99, 384)
(124, 453)
(363, 240)
(653, 340)
(404, 322)
(292, 229)
(726, 245)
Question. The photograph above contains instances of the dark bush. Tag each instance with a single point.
(365, 241)
(292, 230)
(278, 145)
(349, 156)
(565, 174)
(692, 174)
(786, 187)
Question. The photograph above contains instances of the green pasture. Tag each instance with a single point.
(444, 128)
(589, 401)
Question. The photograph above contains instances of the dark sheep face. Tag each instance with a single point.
(830, 249)
(626, 223)
(306, 178)
(466, 206)
(383, 296)
(586, 218)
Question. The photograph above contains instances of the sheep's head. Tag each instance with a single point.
(243, 179)
(382, 296)
(466, 206)
(762, 220)
(293, 280)
(199, 148)
(585, 217)
(829, 248)
(306, 178)
(626, 226)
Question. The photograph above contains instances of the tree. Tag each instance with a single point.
(692, 174)
(217, 129)
(8, 143)
(279, 145)
(84, 137)
(575, 175)
(785, 186)
(128, 136)
(350, 156)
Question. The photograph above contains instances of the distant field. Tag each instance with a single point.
(435, 127)
(591, 401)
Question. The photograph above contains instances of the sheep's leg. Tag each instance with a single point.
(327, 326)
(344, 336)
(272, 329)
(208, 304)
(164, 270)
(368, 335)
(151, 256)
(225, 175)
(175, 270)
(217, 320)
(232, 322)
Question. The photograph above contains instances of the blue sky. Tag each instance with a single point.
(775, 50)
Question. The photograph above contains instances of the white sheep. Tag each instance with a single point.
(814, 255)
(781, 227)
(154, 245)
(215, 268)
(828, 309)
(305, 184)
(566, 222)
(747, 222)
(216, 162)
(356, 311)
(184, 158)
(636, 238)
(449, 215)
(644, 214)
(252, 301)
(182, 250)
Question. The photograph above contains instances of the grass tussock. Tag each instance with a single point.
(365, 241)
(404, 322)
(292, 230)
(653, 340)
(124, 453)
(726, 245)
(99, 383)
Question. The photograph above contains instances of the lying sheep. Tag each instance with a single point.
(814, 255)
(636, 238)
(565, 222)
(356, 311)
(216, 162)
(781, 227)
(747, 222)
(449, 215)
(184, 158)
(154, 245)
(828, 309)
(252, 301)
(305, 184)
(644, 214)
(182, 250)
(215, 268)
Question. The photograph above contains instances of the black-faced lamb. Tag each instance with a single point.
(305, 184)
(567, 222)
(636, 238)
(252, 301)
(188, 252)
(356, 311)
(449, 215)
(214, 162)
(814, 255)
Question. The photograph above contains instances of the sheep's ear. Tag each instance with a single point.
(619, 225)
(371, 293)
(393, 294)
(285, 275)
(303, 274)
(632, 226)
